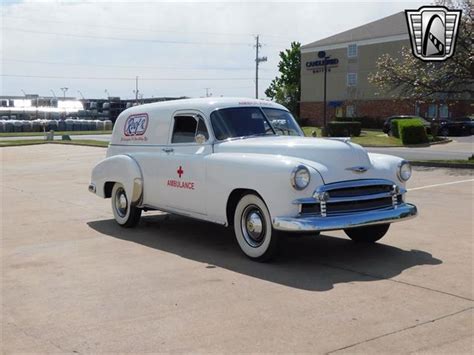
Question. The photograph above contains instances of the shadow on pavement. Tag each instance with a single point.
(305, 262)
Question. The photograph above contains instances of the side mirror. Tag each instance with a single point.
(200, 138)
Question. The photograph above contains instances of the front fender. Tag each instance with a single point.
(267, 174)
(118, 168)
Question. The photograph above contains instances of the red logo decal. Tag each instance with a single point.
(180, 171)
(136, 125)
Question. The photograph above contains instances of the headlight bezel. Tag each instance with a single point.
(402, 174)
(300, 169)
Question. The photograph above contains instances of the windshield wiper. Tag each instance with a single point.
(258, 135)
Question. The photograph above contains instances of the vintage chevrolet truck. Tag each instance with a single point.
(246, 164)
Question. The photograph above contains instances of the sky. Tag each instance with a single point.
(97, 48)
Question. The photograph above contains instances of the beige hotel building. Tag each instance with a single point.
(352, 57)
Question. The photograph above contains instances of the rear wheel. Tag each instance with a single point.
(125, 214)
(369, 234)
(253, 229)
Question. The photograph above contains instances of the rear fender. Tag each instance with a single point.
(118, 168)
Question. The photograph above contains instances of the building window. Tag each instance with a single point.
(351, 79)
(443, 111)
(350, 111)
(432, 110)
(352, 50)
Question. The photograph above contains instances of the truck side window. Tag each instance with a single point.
(201, 128)
(184, 129)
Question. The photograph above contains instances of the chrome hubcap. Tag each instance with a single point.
(121, 202)
(253, 226)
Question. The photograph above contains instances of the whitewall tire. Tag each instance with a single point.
(126, 215)
(253, 228)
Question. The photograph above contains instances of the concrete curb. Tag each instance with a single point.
(408, 146)
(50, 142)
(435, 164)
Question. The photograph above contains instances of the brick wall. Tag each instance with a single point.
(313, 111)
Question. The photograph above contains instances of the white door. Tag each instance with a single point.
(182, 179)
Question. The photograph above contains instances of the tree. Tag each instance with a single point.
(285, 89)
(409, 77)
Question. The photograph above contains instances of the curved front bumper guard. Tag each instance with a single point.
(344, 221)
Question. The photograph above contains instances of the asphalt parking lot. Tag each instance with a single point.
(73, 281)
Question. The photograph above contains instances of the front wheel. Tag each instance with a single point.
(125, 214)
(369, 234)
(253, 229)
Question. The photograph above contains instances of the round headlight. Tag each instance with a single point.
(404, 171)
(300, 177)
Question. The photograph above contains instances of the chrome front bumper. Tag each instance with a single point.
(343, 221)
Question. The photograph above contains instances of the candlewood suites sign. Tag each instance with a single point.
(317, 66)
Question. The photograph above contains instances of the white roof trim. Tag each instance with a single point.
(363, 42)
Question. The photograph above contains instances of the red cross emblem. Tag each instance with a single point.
(180, 171)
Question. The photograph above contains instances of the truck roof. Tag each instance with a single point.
(159, 115)
(205, 104)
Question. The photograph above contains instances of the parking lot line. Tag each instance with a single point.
(443, 184)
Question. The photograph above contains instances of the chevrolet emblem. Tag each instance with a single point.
(358, 169)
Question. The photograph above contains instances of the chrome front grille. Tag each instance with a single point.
(351, 197)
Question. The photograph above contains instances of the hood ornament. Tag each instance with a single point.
(358, 169)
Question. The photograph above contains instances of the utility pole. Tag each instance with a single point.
(257, 61)
(207, 92)
(136, 89)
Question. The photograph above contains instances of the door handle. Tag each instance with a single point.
(168, 150)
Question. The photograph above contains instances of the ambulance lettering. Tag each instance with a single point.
(180, 184)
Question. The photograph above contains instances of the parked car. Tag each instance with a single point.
(387, 126)
(225, 161)
(455, 126)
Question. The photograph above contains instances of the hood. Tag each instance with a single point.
(331, 157)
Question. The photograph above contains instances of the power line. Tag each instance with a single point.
(124, 38)
(147, 30)
(122, 78)
(121, 66)
(108, 38)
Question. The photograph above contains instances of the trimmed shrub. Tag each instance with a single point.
(344, 129)
(412, 132)
(394, 128)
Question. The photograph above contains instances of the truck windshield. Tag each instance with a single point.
(282, 122)
(240, 122)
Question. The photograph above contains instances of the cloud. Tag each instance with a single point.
(210, 43)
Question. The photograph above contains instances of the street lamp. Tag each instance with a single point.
(64, 91)
(322, 54)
